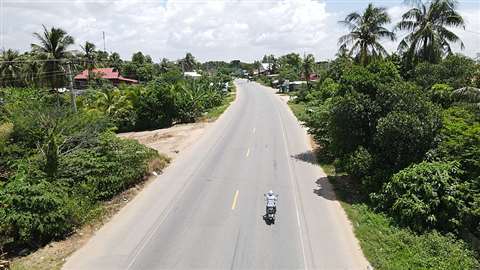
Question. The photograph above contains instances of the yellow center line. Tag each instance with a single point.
(248, 152)
(234, 203)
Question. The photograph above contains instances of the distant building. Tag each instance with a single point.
(192, 74)
(110, 74)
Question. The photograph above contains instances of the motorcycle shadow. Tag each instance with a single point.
(268, 221)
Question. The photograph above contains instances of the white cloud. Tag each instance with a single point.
(221, 29)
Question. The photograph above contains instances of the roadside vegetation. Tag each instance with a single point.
(399, 136)
(60, 158)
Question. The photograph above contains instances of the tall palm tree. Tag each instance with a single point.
(115, 61)
(308, 67)
(52, 47)
(366, 31)
(10, 69)
(429, 38)
(89, 57)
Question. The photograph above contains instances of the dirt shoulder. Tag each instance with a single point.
(170, 141)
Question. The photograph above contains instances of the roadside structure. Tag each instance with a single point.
(109, 74)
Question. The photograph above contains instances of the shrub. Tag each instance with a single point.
(155, 108)
(359, 163)
(34, 211)
(102, 171)
(402, 138)
(441, 94)
(360, 79)
(425, 196)
(352, 122)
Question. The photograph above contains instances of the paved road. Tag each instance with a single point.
(205, 211)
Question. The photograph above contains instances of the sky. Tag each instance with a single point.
(210, 30)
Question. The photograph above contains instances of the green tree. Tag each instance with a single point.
(428, 25)
(366, 31)
(308, 67)
(115, 61)
(188, 63)
(52, 48)
(10, 68)
(89, 58)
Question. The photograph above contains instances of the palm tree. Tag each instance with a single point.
(53, 49)
(188, 63)
(429, 39)
(308, 66)
(31, 69)
(366, 30)
(10, 68)
(115, 61)
(89, 57)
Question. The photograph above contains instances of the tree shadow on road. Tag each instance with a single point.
(309, 157)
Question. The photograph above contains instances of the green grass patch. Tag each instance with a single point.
(299, 110)
(390, 247)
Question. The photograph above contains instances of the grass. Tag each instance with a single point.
(386, 245)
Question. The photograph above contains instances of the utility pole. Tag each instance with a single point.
(72, 91)
(104, 47)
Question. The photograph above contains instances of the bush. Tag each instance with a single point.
(359, 79)
(156, 107)
(102, 171)
(34, 211)
(441, 94)
(359, 163)
(426, 196)
(352, 122)
(402, 138)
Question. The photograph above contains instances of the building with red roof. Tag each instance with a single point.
(110, 74)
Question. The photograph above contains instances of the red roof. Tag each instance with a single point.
(105, 73)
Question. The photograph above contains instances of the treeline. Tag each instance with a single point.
(59, 155)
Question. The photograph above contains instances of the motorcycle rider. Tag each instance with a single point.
(271, 200)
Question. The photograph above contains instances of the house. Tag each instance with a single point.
(110, 74)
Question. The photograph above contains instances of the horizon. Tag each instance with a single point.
(211, 30)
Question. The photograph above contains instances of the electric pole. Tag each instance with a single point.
(72, 92)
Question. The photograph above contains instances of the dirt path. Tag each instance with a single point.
(169, 141)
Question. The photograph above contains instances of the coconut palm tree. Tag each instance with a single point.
(308, 67)
(115, 61)
(89, 58)
(366, 31)
(53, 47)
(10, 68)
(429, 38)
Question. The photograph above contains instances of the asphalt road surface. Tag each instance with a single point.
(206, 210)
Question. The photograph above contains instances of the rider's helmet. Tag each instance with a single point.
(270, 193)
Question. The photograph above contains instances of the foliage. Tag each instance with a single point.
(441, 94)
(107, 168)
(359, 163)
(428, 24)
(426, 196)
(155, 108)
(352, 122)
(34, 211)
(390, 247)
(365, 32)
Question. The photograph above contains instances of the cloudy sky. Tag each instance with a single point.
(211, 30)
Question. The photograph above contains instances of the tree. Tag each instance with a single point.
(89, 58)
(429, 38)
(115, 61)
(188, 63)
(308, 67)
(53, 47)
(10, 69)
(366, 30)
